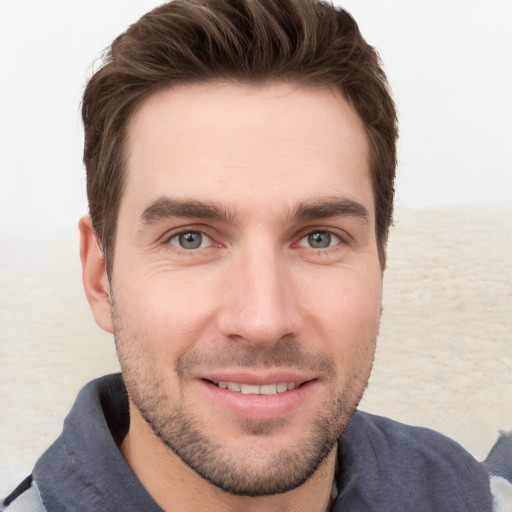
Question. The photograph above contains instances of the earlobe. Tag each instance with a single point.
(94, 275)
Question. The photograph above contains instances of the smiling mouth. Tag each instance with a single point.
(254, 389)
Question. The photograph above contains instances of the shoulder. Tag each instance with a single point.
(397, 439)
(396, 466)
(25, 498)
(405, 440)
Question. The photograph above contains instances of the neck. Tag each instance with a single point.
(176, 487)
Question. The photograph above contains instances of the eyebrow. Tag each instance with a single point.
(166, 207)
(330, 207)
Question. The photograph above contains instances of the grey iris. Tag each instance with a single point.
(319, 240)
(190, 240)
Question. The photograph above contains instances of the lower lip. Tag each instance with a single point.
(259, 407)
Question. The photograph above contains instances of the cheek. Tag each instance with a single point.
(168, 314)
(352, 293)
(345, 311)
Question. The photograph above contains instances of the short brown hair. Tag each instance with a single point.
(250, 41)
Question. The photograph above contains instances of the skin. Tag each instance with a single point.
(273, 184)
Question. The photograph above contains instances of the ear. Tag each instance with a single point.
(94, 275)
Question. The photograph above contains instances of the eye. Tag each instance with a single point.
(190, 240)
(319, 240)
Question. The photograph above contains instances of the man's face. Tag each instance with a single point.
(246, 282)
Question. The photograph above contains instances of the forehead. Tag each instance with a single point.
(246, 146)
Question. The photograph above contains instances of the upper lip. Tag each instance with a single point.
(255, 377)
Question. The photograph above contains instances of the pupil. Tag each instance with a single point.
(319, 240)
(190, 240)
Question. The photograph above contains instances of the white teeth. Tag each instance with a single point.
(282, 387)
(268, 389)
(234, 386)
(254, 389)
(249, 389)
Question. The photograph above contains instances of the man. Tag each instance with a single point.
(240, 166)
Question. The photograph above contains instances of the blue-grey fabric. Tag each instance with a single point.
(384, 466)
(499, 460)
(84, 469)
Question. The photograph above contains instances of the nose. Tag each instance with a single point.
(259, 301)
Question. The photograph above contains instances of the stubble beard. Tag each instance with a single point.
(253, 472)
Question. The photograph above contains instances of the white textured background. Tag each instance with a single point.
(444, 358)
